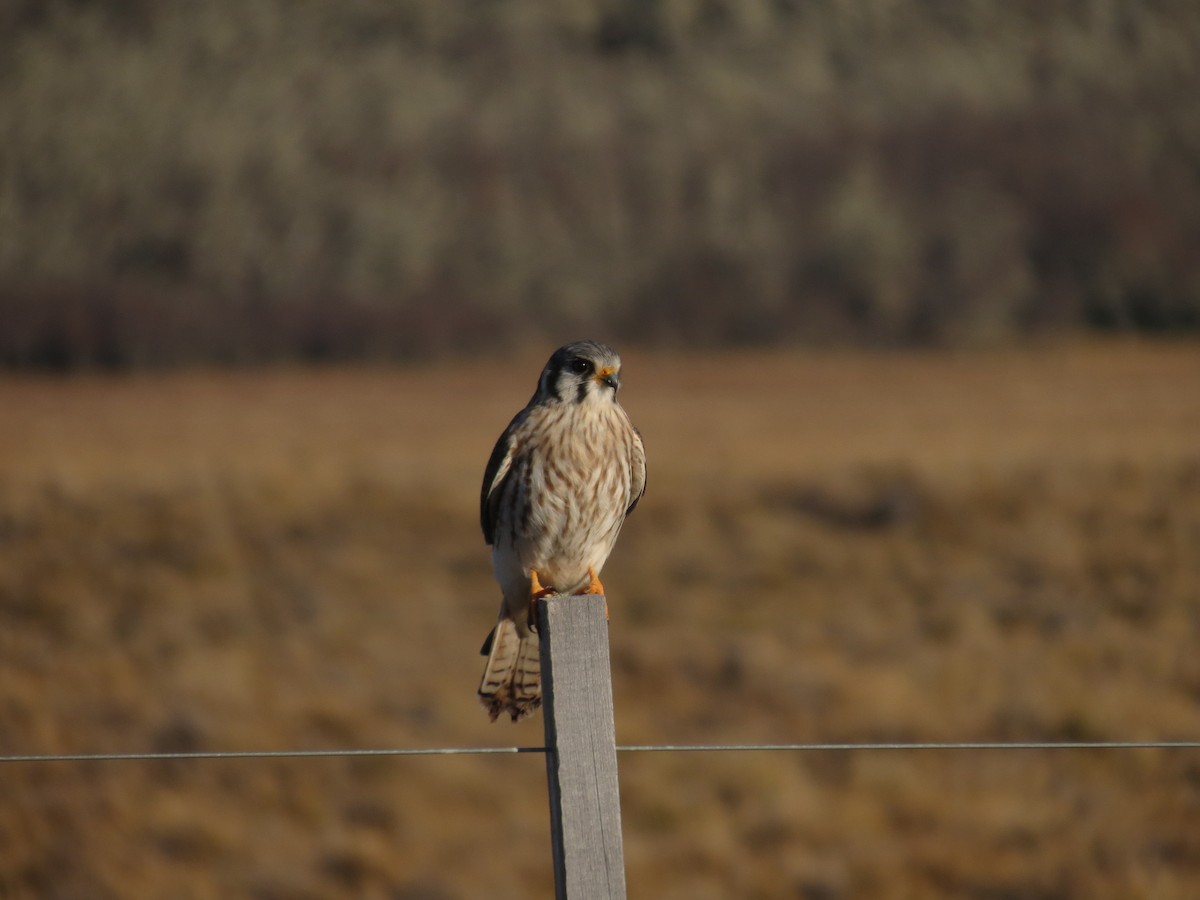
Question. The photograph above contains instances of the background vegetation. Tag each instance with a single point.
(247, 181)
(999, 546)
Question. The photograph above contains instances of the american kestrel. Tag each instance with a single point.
(562, 478)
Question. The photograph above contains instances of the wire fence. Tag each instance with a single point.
(621, 748)
(580, 750)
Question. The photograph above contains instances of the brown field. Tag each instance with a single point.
(834, 547)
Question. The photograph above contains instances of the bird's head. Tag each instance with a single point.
(580, 372)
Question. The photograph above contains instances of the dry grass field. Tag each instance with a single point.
(834, 547)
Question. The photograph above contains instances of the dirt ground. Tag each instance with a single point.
(833, 547)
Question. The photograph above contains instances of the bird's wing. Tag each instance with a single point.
(637, 484)
(499, 464)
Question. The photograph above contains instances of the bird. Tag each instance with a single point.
(560, 482)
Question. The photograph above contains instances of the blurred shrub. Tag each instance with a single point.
(228, 181)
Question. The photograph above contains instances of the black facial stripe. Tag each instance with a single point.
(581, 392)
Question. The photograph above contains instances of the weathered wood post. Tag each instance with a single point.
(581, 752)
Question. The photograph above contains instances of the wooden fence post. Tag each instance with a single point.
(581, 752)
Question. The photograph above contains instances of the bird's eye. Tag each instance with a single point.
(580, 365)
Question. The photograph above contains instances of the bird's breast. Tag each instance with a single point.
(574, 484)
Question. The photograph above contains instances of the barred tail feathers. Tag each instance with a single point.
(512, 679)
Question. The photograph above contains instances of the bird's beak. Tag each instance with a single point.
(609, 375)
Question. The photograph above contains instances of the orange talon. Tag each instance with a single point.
(594, 586)
(536, 591)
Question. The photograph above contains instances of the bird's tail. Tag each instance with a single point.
(512, 679)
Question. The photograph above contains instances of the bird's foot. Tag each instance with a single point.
(595, 587)
(536, 591)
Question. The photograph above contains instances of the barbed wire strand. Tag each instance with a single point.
(925, 745)
(621, 748)
(262, 754)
